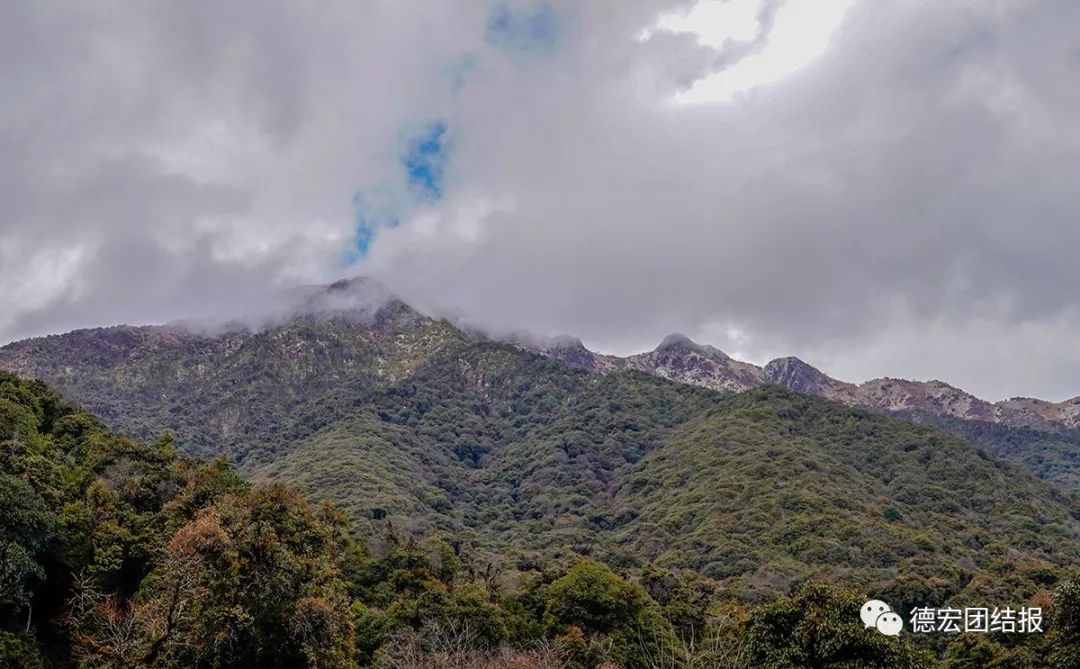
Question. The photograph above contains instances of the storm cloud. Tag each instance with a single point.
(902, 204)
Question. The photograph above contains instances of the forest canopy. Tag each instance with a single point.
(117, 553)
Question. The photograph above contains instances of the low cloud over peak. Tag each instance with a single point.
(899, 204)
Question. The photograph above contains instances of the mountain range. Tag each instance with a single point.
(1040, 435)
(231, 388)
(680, 457)
(678, 358)
(530, 454)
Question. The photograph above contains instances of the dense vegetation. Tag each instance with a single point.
(468, 481)
(408, 418)
(115, 553)
(1051, 452)
(236, 390)
(517, 455)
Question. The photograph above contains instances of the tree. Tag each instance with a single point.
(25, 528)
(592, 601)
(1066, 626)
(820, 627)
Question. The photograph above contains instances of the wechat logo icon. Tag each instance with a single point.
(877, 614)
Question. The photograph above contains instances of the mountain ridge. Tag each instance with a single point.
(739, 499)
(398, 417)
(141, 378)
(679, 358)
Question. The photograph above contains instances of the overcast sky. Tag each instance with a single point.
(881, 188)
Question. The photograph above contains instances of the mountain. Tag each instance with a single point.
(226, 389)
(254, 372)
(122, 554)
(678, 358)
(1040, 435)
(1065, 413)
(397, 416)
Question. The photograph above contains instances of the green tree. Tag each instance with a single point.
(820, 627)
(25, 528)
(1066, 626)
(594, 601)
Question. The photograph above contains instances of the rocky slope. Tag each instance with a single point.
(677, 358)
(1066, 413)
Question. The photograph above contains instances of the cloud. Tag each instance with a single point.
(900, 202)
(527, 30)
(159, 162)
(898, 181)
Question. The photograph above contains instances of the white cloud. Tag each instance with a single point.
(890, 168)
(714, 22)
(800, 32)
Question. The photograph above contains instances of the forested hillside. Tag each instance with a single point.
(237, 389)
(233, 389)
(1051, 452)
(398, 417)
(436, 447)
(520, 455)
(120, 554)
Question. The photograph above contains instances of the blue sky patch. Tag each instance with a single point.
(371, 214)
(424, 161)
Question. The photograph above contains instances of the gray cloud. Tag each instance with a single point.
(903, 205)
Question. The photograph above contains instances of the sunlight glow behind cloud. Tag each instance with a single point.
(889, 189)
(801, 32)
(715, 21)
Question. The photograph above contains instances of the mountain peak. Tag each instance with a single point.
(791, 362)
(1066, 413)
(681, 359)
(566, 342)
(357, 285)
(359, 297)
(782, 370)
(803, 377)
(677, 341)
